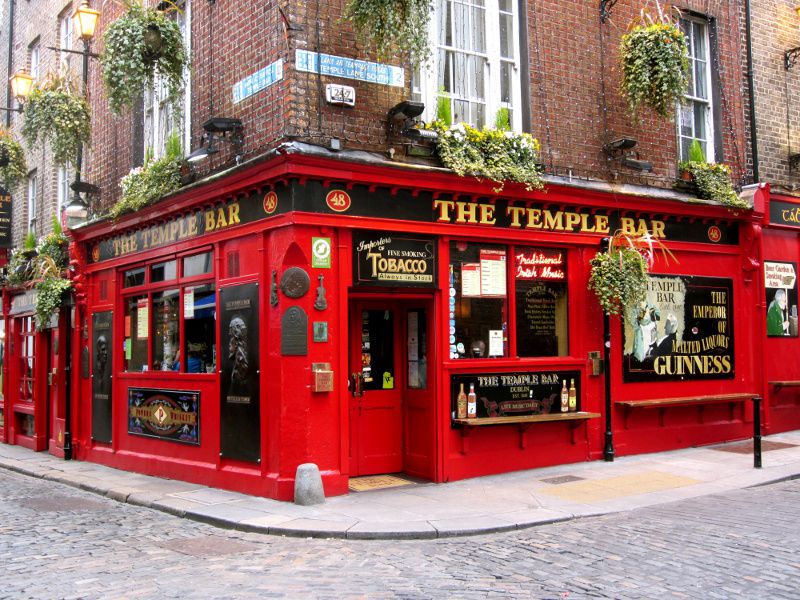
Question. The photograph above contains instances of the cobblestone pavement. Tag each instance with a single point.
(59, 542)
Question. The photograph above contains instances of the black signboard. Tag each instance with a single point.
(541, 284)
(239, 373)
(682, 331)
(516, 394)
(294, 332)
(386, 259)
(784, 213)
(5, 218)
(165, 414)
(101, 375)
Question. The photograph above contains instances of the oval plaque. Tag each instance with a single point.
(295, 282)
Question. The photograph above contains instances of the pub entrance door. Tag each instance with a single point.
(391, 391)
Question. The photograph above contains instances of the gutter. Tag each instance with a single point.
(11, 4)
(750, 90)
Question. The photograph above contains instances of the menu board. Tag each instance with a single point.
(541, 275)
(493, 272)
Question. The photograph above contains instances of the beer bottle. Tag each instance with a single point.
(462, 403)
(472, 402)
(573, 396)
(564, 397)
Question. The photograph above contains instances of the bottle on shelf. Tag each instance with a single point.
(461, 402)
(564, 397)
(573, 396)
(472, 402)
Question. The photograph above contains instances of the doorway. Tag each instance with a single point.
(391, 387)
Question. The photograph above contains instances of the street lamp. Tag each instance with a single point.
(85, 19)
(21, 84)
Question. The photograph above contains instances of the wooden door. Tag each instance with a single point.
(376, 398)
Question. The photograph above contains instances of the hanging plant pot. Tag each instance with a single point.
(4, 158)
(393, 26)
(153, 43)
(12, 159)
(142, 42)
(655, 65)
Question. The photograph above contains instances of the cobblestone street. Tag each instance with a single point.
(59, 542)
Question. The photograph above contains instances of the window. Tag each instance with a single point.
(170, 319)
(33, 53)
(475, 62)
(63, 189)
(482, 296)
(695, 116)
(66, 33)
(27, 358)
(163, 118)
(32, 191)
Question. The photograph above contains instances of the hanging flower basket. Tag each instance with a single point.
(12, 159)
(393, 26)
(655, 65)
(56, 112)
(142, 43)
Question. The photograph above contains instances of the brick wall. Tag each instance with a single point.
(776, 28)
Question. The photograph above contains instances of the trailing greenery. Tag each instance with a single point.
(619, 278)
(393, 26)
(56, 112)
(713, 181)
(129, 62)
(50, 293)
(12, 159)
(157, 178)
(20, 267)
(655, 65)
(492, 154)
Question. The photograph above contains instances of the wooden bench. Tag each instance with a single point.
(523, 422)
(701, 401)
(782, 384)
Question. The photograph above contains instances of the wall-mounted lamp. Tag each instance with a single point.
(21, 84)
(622, 149)
(791, 55)
(77, 211)
(402, 121)
(217, 130)
(84, 20)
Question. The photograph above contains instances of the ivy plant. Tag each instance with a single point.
(56, 112)
(130, 61)
(54, 246)
(713, 181)
(147, 184)
(393, 25)
(492, 154)
(50, 293)
(619, 278)
(12, 159)
(655, 65)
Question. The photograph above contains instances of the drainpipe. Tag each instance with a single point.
(751, 91)
(608, 450)
(10, 61)
(66, 318)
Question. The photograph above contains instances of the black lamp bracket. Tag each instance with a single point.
(790, 57)
(605, 9)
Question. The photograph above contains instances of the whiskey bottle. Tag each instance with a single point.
(472, 402)
(462, 403)
(564, 397)
(573, 396)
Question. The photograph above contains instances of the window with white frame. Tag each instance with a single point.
(33, 52)
(32, 191)
(66, 33)
(62, 187)
(475, 62)
(695, 115)
(162, 118)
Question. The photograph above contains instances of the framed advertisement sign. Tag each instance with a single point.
(164, 414)
(389, 260)
(780, 284)
(683, 330)
(239, 373)
(101, 375)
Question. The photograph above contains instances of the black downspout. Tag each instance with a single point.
(751, 91)
(608, 450)
(10, 59)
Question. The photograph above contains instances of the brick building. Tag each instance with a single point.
(327, 293)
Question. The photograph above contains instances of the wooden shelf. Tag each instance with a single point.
(782, 384)
(685, 401)
(574, 416)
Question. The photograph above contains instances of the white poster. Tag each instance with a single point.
(493, 273)
(470, 280)
(495, 342)
(142, 318)
(188, 303)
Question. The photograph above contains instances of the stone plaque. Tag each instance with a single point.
(295, 282)
(294, 332)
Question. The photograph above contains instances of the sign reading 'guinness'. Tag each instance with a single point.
(389, 260)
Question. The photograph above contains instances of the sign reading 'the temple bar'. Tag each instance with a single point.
(389, 260)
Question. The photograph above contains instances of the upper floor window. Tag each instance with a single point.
(475, 62)
(62, 189)
(696, 114)
(33, 187)
(162, 117)
(33, 57)
(66, 33)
